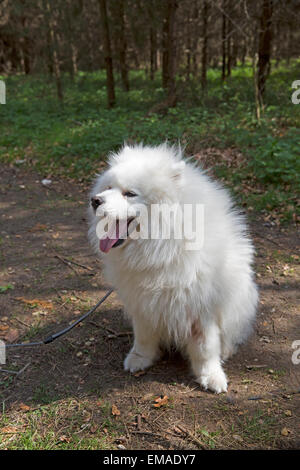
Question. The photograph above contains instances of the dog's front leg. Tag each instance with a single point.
(145, 349)
(204, 350)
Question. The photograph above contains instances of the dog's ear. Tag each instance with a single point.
(178, 172)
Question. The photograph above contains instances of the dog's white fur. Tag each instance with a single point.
(203, 301)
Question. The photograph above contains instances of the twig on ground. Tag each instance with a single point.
(23, 369)
(113, 333)
(139, 422)
(256, 366)
(147, 433)
(22, 322)
(78, 264)
(191, 436)
(66, 262)
(122, 333)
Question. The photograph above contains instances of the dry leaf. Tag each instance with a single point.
(38, 227)
(115, 411)
(93, 428)
(161, 401)
(139, 373)
(12, 335)
(178, 430)
(24, 407)
(9, 430)
(285, 432)
(36, 302)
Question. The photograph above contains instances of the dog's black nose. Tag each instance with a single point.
(96, 202)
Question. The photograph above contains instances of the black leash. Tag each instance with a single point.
(53, 337)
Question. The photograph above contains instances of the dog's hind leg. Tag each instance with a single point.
(204, 350)
(145, 350)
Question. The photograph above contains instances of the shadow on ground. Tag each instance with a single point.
(74, 393)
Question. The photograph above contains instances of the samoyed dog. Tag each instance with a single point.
(190, 288)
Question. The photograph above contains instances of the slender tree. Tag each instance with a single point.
(229, 40)
(122, 44)
(153, 52)
(54, 46)
(204, 43)
(264, 48)
(169, 47)
(224, 31)
(151, 4)
(195, 37)
(110, 84)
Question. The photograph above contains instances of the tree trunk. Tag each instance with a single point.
(153, 52)
(188, 49)
(71, 15)
(165, 52)
(169, 48)
(204, 44)
(25, 47)
(54, 52)
(229, 42)
(264, 47)
(123, 47)
(224, 41)
(235, 49)
(151, 4)
(110, 84)
(195, 38)
(26, 55)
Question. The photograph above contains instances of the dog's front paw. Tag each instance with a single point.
(214, 379)
(135, 361)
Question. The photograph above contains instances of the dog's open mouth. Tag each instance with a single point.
(117, 234)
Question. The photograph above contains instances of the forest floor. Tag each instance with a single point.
(74, 393)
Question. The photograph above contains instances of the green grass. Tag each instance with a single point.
(72, 139)
(257, 429)
(209, 438)
(62, 424)
(5, 288)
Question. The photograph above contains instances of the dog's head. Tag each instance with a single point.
(138, 177)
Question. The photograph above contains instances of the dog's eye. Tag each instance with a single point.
(129, 194)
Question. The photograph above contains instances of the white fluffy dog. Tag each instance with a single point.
(201, 299)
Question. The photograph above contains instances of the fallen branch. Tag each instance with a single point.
(113, 333)
(78, 264)
(66, 262)
(147, 433)
(23, 369)
(190, 436)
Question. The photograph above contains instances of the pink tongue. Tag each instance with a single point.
(116, 232)
(107, 243)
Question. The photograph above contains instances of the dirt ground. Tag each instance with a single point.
(74, 392)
